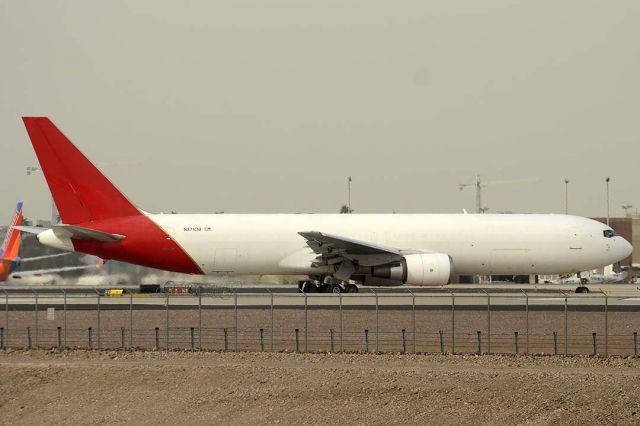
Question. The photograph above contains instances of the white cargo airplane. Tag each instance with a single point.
(414, 249)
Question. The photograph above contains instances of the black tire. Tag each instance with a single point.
(582, 289)
(336, 289)
(350, 288)
(308, 287)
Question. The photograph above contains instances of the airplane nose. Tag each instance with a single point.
(625, 248)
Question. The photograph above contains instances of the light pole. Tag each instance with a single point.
(349, 194)
(54, 211)
(607, 180)
(626, 209)
(566, 196)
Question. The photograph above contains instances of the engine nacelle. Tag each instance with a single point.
(417, 269)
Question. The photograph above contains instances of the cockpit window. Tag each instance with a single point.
(609, 233)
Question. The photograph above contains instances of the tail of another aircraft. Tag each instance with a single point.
(11, 244)
(81, 192)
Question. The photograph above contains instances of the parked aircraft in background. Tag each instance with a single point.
(416, 249)
(9, 252)
(594, 278)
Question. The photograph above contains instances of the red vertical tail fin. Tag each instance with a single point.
(81, 192)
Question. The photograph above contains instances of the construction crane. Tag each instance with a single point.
(478, 184)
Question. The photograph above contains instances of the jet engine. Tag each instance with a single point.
(417, 269)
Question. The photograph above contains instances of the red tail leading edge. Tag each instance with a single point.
(86, 198)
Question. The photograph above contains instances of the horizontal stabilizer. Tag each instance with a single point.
(48, 256)
(75, 232)
(82, 233)
(30, 229)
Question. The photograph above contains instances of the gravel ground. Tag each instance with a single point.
(257, 388)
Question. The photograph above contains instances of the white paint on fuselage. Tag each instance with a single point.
(478, 244)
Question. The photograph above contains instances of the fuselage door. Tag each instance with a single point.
(575, 238)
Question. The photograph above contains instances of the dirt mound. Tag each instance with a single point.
(242, 388)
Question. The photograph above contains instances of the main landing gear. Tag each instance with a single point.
(329, 285)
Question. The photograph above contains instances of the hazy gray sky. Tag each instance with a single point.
(267, 106)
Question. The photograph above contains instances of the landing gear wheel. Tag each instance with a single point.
(336, 288)
(582, 289)
(351, 288)
(308, 287)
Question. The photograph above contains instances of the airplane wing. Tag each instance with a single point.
(347, 252)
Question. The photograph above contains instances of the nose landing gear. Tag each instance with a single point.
(582, 288)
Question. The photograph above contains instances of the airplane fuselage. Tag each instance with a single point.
(266, 244)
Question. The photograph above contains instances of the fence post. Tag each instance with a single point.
(193, 342)
(453, 323)
(377, 329)
(606, 324)
(36, 312)
(122, 337)
(167, 321)
(29, 337)
(200, 317)
(98, 305)
(340, 298)
(404, 342)
(131, 320)
(515, 336)
(635, 343)
(6, 313)
(157, 338)
(595, 348)
(59, 336)
(306, 324)
(479, 342)
(488, 322)
(235, 320)
(65, 317)
(526, 343)
(271, 320)
(441, 342)
(331, 339)
(297, 340)
(555, 343)
(566, 327)
(366, 341)
(226, 345)
(261, 340)
(413, 320)
(89, 332)
(1, 337)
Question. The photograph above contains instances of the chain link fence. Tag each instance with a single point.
(594, 324)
